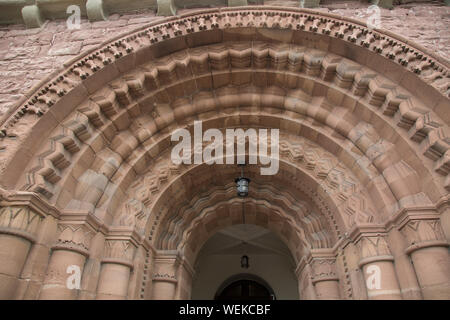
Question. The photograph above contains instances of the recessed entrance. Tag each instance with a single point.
(219, 274)
(245, 287)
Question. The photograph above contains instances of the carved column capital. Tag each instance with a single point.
(372, 244)
(317, 274)
(75, 231)
(166, 265)
(422, 228)
(21, 213)
(120, 246)
(323, 266)
(376, 261)
(20, 221)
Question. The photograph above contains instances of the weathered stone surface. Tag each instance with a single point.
(363, 158)
(65, 49)
(406, 21)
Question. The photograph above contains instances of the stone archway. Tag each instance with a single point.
(86, 177)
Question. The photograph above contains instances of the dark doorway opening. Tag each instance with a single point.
(245, 289)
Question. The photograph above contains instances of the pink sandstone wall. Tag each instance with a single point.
(29, 55)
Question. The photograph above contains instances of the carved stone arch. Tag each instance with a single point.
(132, 86)
(78, 141)
(331, 182)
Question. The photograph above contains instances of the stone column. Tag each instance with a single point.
(377, 263)
(117, 264)
(185, 275)
(428, 249)
(69, 253)
(324, 275)
(165, 280)
(304, 275)
(18, 228)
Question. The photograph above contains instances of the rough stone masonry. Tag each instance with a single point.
(29, 55)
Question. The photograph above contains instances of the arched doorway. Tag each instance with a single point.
(364, 171)
(271, 267)
(245, 287)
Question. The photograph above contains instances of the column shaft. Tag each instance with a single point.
(432, 267)
(381, 279)
(428, 249)
(63, 275)
(113, 282)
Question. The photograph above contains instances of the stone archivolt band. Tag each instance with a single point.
(364, 160)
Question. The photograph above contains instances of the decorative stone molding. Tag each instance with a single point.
(323, 265)
(428, 249)
(21, 213)
(165, 277)
(50, 169)
(166, 274)
(27, 199)
(166, 264)
(421, 227)
(20, 221)
(338, 183)
(120, 246)
(376, 262)
(117, 104)
(134, 214)
(74, 237)
(76, 230)
(372, 244)
(51, 91)
(217, 198)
